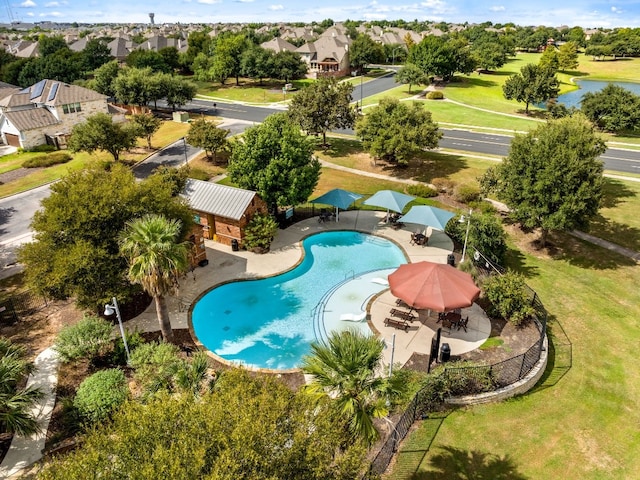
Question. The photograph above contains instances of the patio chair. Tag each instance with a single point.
(463, 323)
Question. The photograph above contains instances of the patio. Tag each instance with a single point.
(226, 265)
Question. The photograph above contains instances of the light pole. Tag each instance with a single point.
(186, 158)
(393, 349)
(109, 308)
(466, 236)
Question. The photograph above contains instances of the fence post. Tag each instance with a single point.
(522, 366)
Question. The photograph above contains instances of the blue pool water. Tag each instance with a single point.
(268, 323)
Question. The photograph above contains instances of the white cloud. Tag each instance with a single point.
(276, 7)
(209, 2)
(28, 4)
(616, 10)
(52, 4)
(497, 8)
(51, 14)
(244, 1)
(30, 14)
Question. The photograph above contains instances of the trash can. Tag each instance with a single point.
(234, 245)
(451, 260)
(445, 352)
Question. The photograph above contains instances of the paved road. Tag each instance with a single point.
(615, 159)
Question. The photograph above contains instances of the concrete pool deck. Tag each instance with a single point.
(226, 265)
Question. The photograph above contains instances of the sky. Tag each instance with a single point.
(584, 13)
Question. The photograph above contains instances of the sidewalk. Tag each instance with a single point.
(25, 451)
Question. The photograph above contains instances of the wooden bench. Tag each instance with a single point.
(401, 324)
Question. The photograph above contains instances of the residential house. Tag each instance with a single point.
(327, 56)
(46, 112)
(278, 45)
(222, 211)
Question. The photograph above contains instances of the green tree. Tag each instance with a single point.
(156, 259)
(206, 135)
(104, 78)
(147, 59)
(16, 401)
(568, 56)
(549, 60)
(257, 63)
(275, 160)
(99, 132)
(442, 56)
(95, 54)
(177, 91)
(288, 66)
(534, 84)
(612, 109)
(133, 86)
(323, 106)
(75, 251)
(412, 75)
(49, 45)
(552, 178)
(485, 234)
(249, 427)
(346, 369)
(146, 125)
(363, 51)
(171, 57)
(228, 57)
(397, 131)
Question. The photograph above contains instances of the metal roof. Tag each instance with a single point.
(216, 199)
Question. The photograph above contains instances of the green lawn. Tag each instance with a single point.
(249, 91)
(580, 422)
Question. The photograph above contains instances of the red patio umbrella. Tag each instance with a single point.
(436, 286)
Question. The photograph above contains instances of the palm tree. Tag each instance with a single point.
(345, 369)
(16, 403)
(156, 260)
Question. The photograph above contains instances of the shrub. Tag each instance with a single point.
(155, 365)
(435, 95)
(421, 190)
(86, 339)
(43, 148)
(467, 192)
(443, 185)
(100, 394)
(119, 354)
(260, 232)
(47, 160)
(466, 378)
(509, 297)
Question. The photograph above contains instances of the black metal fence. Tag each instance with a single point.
(15, 306)
(501, 374)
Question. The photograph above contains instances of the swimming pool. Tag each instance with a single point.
(269, 323)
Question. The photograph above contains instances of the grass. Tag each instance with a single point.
(168, 133)
(578, 423)
(250, 91)
(491, 342)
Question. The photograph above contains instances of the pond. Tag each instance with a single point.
(572, 99)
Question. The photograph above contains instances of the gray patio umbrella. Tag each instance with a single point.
(389, 199)
(337, 198)
(428, 216)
